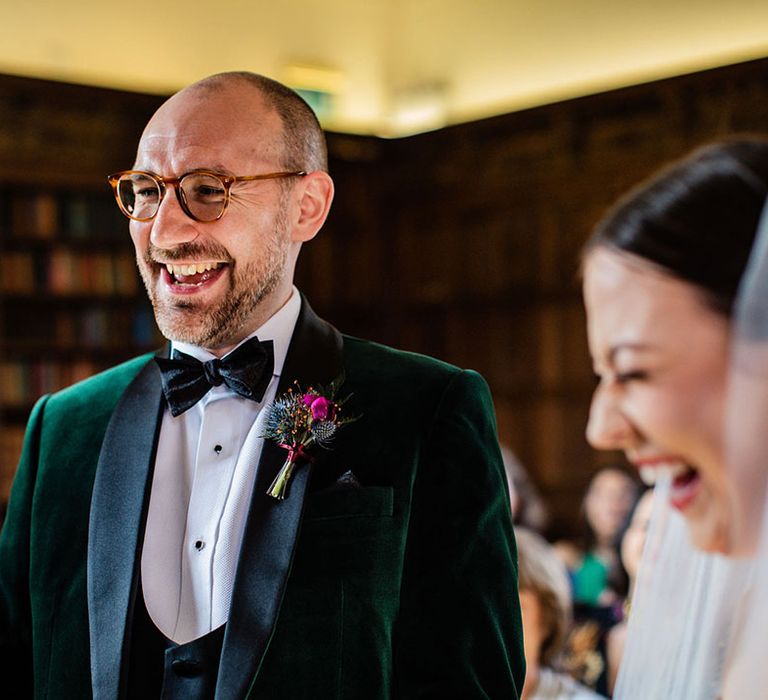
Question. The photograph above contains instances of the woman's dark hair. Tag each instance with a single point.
(697, 218)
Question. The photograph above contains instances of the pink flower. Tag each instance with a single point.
(308, 399)
(320, 408)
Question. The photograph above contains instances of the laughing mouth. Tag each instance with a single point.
(673, 470)
(684, 480)
(191, 274)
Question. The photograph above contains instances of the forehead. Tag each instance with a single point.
(629, 301)
(230, 127)
(611, 481)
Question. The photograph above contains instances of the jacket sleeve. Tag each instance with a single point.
(15, 608)
(459, 633)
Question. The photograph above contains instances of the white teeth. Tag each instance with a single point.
(194, 268)
(648, 475)
(671, 470)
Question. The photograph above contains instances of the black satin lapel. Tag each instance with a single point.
(117, 514)
(315, 357)
(316, 352)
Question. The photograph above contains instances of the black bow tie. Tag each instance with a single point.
(246, 371)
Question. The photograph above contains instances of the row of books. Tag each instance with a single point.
(61, 215)
(11, 439)
(23, 382)
(64, 271)
(97, 327)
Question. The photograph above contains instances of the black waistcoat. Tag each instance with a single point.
(159, 668)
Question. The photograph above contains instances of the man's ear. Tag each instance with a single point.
(313, 205)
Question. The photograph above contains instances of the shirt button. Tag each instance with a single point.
(199, 545)
(217, 449)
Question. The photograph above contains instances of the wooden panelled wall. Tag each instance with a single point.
(461, 243)
(464, 244)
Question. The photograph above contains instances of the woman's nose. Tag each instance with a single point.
(607, 428)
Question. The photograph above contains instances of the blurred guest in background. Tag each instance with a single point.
(528, 507)
(545, 601)
(593, 559)
(631, 551)
(599, 583)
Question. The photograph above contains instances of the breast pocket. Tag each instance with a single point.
(347, 531)
(340, 503)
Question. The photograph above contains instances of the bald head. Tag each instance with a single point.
(303, 142)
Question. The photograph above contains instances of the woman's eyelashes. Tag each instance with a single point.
(632, 375)
(624, 377)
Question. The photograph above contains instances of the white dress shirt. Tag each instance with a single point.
(205, 469)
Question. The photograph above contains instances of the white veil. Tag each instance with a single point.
(683, 614)
(699, 621)
(746, 671)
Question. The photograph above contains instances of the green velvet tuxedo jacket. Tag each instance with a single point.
(404, 586)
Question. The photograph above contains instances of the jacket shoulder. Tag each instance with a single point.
(387, 360)
(99, 393)
(408, 376)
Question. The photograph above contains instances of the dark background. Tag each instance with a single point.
(461, 243)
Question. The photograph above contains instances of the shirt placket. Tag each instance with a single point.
(215, 462)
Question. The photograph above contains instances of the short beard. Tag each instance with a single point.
(226, 321)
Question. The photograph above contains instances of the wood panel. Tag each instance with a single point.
(461, 243)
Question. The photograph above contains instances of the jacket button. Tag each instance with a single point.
(186, 668)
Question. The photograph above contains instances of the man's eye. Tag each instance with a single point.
(208, 193)
(145, 193)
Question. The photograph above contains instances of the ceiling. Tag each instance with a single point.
(387, 67)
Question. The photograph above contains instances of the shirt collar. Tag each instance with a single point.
(278, 328)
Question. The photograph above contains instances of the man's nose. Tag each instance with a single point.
(608, 428)
(171, 225)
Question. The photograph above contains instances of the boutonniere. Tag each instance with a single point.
(299, 420)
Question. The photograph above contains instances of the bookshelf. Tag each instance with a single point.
(71, 302)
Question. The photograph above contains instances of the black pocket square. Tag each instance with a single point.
(347, 481)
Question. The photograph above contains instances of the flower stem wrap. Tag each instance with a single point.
(280, 484)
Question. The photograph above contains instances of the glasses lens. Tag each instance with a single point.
(205, 196)
(139, 195)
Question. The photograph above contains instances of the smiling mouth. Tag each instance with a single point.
(685, 480)
(193, 274)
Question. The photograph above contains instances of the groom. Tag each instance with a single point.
(142, 555)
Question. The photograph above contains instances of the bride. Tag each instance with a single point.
(676, 293)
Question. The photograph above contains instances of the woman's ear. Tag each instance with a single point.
(313, 205)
